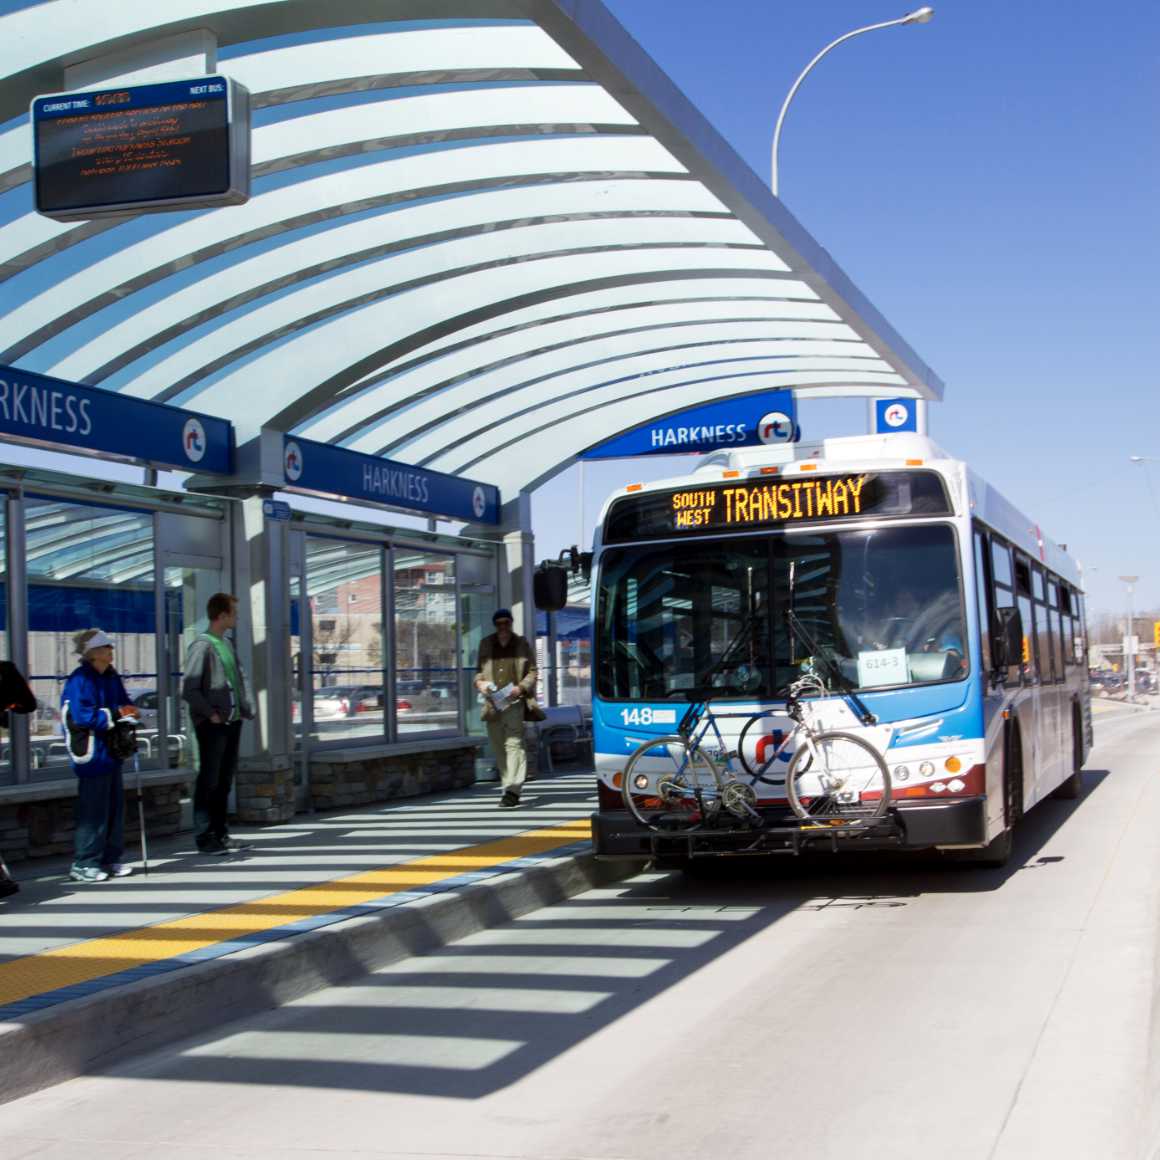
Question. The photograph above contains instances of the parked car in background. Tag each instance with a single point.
(1146, 681)
(146, 702)
(333, 702)
(1105, 682)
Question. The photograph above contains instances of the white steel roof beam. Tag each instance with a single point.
(321, 199)
(383, 331)
(301, 259)
(388, 432)
(387, 278)
(575, 392)
(556, 439)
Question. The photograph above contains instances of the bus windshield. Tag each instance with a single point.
(882, 607)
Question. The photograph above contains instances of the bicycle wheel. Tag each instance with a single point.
(667, 785)
(847, 783)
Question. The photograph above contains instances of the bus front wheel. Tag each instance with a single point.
(997, 852)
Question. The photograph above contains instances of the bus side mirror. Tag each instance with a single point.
(550, 587)
(1007, 638)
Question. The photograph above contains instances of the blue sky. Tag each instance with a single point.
(989, 181)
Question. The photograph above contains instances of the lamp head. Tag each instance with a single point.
(919, 16)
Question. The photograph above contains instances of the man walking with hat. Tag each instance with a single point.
(506, 677)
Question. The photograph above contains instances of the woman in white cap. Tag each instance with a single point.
(93, 701)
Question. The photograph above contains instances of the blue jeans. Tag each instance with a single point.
(100, 819)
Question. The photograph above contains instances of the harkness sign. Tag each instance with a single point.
(50, 412)
(326, 470)
(755, 419)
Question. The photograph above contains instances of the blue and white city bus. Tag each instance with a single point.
(944, 630)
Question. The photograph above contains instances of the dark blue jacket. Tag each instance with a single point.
(90, 701)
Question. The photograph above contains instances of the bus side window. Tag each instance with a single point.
(983, 599)
(1023, 600)
(1002, 581)
(1058, 654)
(1044, 652)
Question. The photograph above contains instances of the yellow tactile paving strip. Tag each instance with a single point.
(97, 958)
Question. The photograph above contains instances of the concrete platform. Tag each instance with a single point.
(92, 973)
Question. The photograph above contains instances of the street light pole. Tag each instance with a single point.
(1129, 650)
(918, 16)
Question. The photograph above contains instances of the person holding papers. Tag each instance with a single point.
(506, 678)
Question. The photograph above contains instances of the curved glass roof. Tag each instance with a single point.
(476, 242)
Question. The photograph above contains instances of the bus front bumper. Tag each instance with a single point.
(910, 825)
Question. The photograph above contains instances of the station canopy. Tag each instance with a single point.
(483, 236)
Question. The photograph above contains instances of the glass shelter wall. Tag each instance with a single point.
(427, 687)
(108, 565)
(344, 582)
(87, 567)
(384, 638)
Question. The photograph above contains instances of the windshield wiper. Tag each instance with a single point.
(847, 686)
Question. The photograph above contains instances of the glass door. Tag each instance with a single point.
(477, 602)
(188, 586)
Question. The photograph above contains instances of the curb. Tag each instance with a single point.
(80, 1035)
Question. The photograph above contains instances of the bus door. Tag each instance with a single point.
(1045, 774)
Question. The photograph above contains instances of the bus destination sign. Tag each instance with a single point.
(177, 145)
(765, 503)
(776, 503)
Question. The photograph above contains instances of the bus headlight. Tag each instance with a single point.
(640, 781)
(926, 769)
(901, 773)
(956, 785)
(938, 787)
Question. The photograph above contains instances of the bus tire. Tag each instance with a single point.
(1070, 789)
(997, 852)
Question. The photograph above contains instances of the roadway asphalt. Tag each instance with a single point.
(880, 1006)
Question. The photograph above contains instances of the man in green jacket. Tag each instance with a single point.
(506, 676)
(215, 688)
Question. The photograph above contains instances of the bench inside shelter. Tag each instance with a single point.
(564, 734)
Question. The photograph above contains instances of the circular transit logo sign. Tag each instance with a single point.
(193, 440)
(896, 415)
(292, 462)
(775, 427)
(478, 503)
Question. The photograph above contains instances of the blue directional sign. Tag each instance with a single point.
(326, 470)
(768, 418)
(275, 509)
(893, 415)
(51, 412)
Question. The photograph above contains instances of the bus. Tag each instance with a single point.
(938, 622)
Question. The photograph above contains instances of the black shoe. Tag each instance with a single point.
(509, 800)
(211, 845)
(8, 887)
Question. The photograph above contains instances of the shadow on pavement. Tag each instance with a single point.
(476, 1016)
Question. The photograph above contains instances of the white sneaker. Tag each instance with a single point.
(119, 870)
(87, 874)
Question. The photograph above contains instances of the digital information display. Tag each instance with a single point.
(178, 145)
(800, 500)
